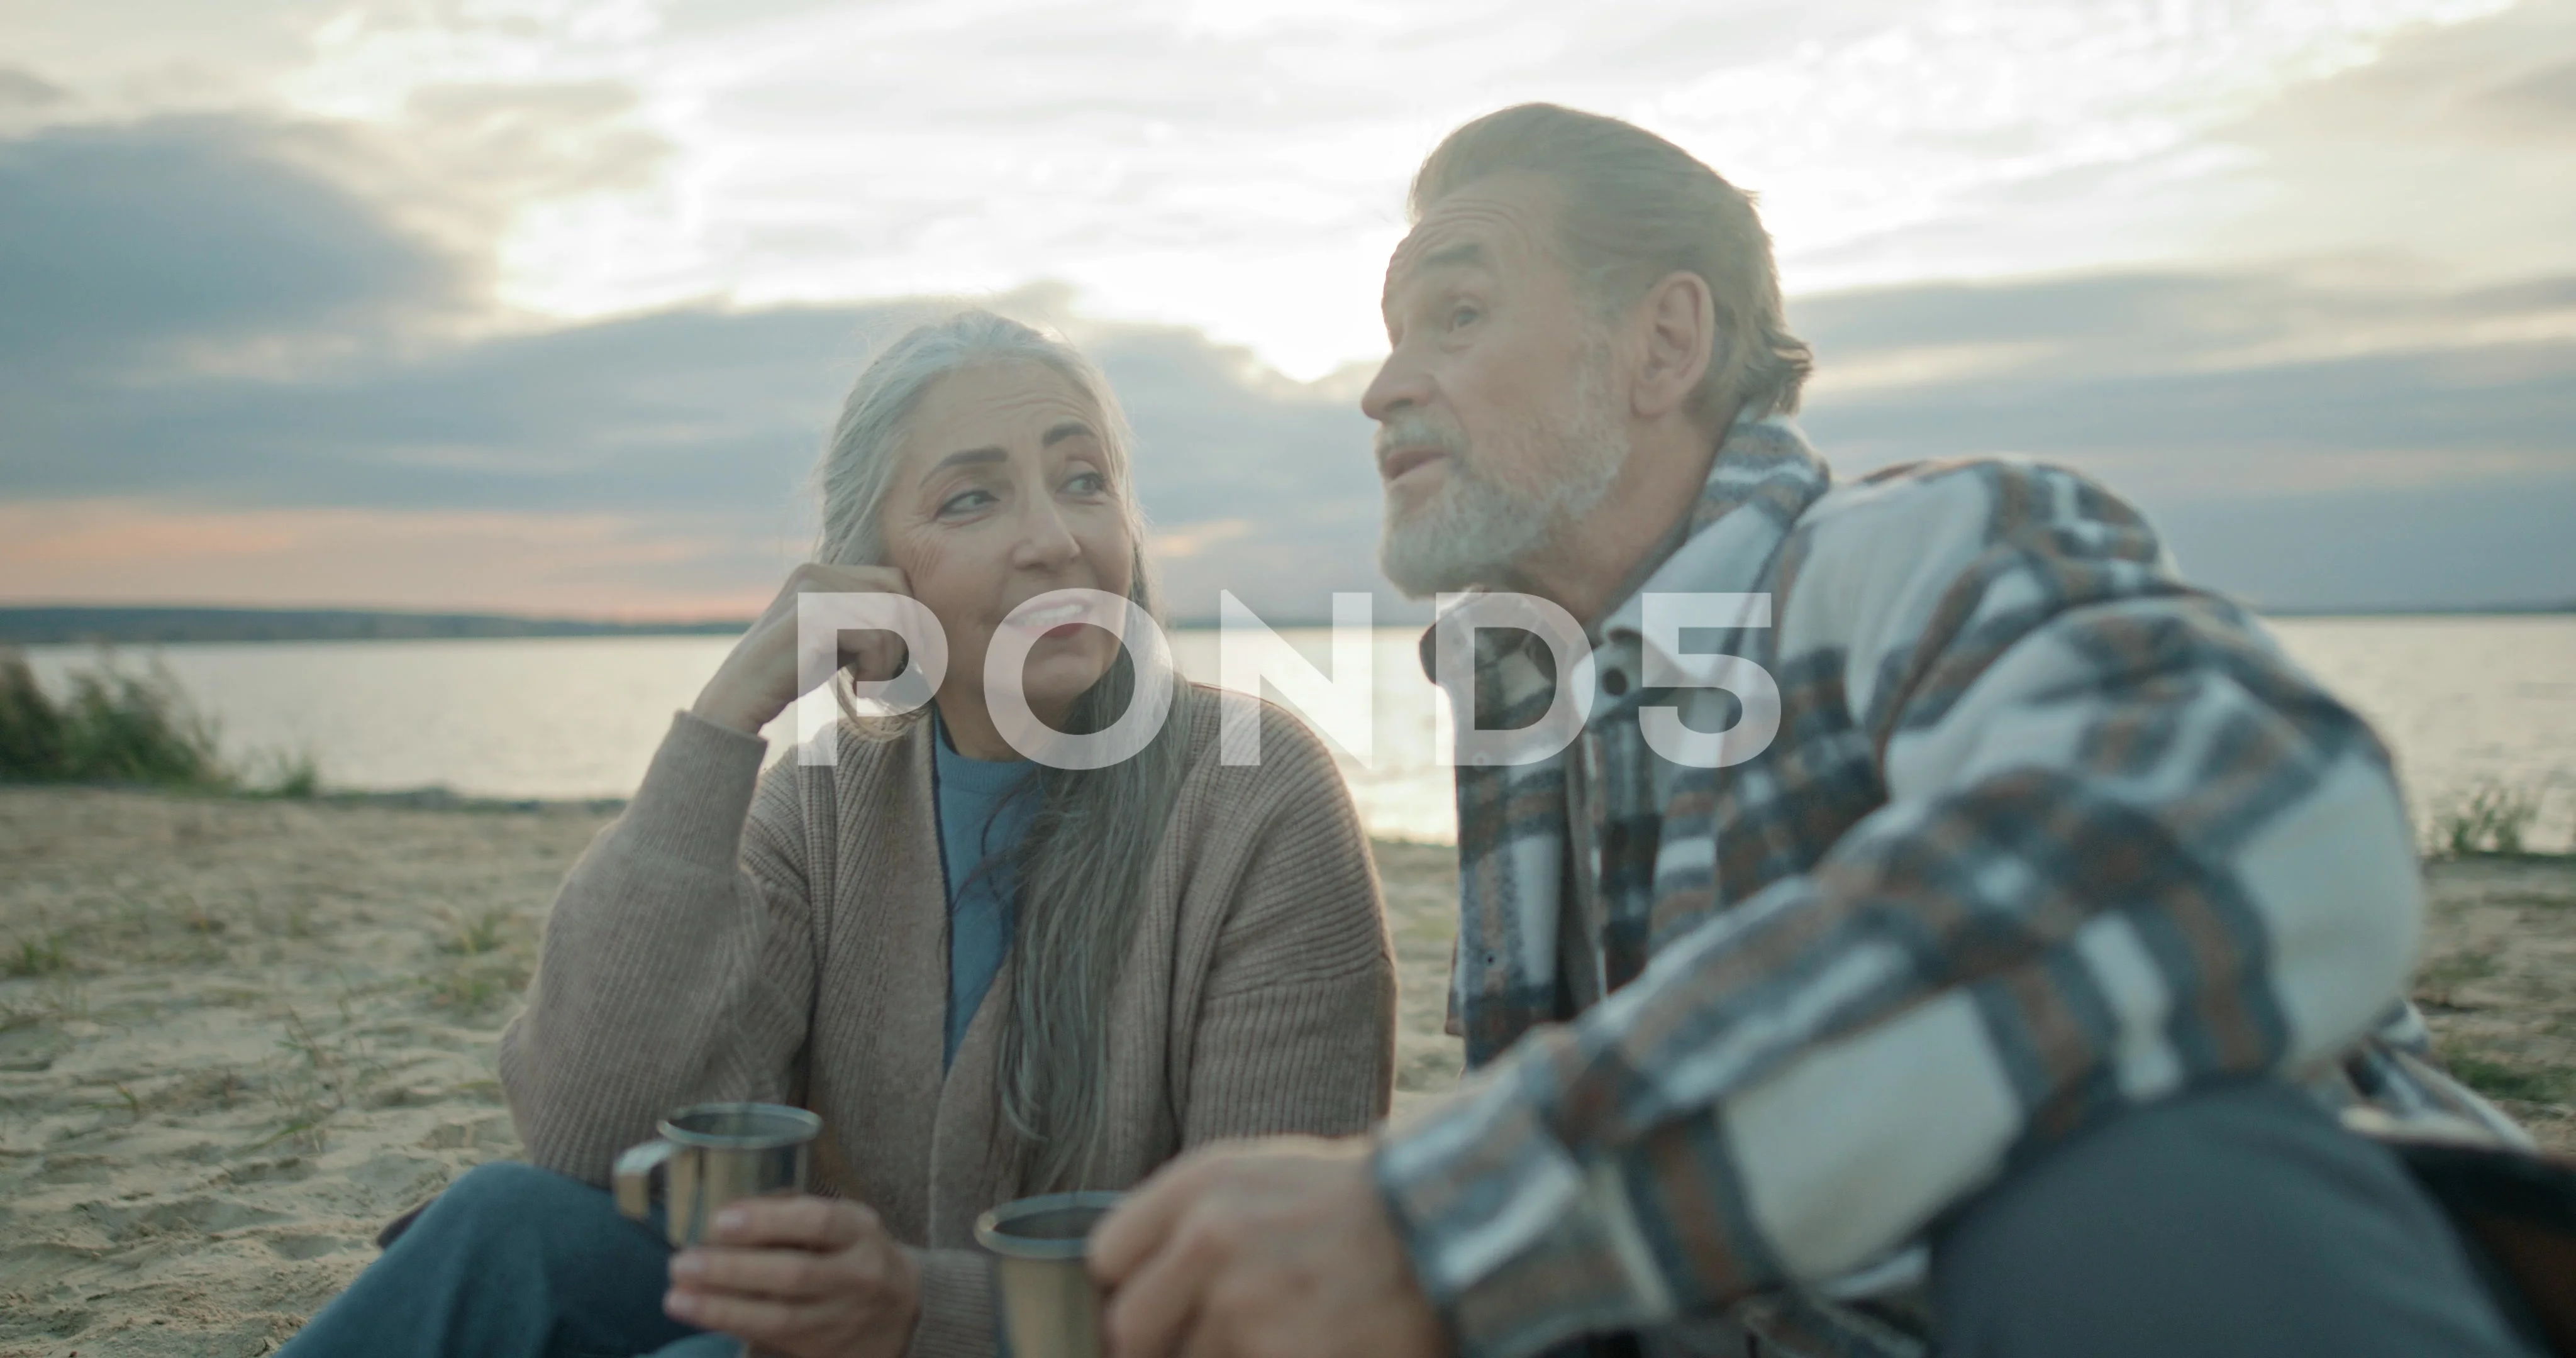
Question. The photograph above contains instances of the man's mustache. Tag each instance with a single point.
(1420, 429)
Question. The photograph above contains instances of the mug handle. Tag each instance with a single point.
(636, 1167)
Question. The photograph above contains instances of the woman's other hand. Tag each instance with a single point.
(807, 1277)
(758, 680)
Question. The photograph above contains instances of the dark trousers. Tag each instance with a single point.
(2242, 1220)
(512, 1262)
(2237, 1222)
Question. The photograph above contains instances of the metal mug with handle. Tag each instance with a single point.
(710, 1154)
(1050, 1305)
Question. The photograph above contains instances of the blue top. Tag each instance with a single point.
(980, 822)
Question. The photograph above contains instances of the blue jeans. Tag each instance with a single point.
(512, 1262)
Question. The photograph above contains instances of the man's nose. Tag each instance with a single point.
(1400, 385)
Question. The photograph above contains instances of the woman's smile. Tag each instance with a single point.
(1062, 619)
(1062, 622)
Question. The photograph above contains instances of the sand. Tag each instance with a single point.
(236, 1036)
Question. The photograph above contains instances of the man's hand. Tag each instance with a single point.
(1261, 1249)
(807, 1277)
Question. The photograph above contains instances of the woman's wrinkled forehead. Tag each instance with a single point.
(1004, 395)
(1003, 404)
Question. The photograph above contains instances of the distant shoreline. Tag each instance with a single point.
(73, 625)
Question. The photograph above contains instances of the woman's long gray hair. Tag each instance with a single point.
(1081, 871)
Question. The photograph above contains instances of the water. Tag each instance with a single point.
(2464, 701)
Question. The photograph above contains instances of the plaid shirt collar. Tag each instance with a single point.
(1512, 826)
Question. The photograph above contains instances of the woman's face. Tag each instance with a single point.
(1001, 492)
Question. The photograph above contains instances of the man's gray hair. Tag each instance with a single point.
(1633, 208)
(1081, 873)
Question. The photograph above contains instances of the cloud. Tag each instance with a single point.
(534, 142)
(2500, 79)
(224, 313)
(2466, 543)
(2303, 438)
(1238, 165)
(128, 241)
(2451, 150)
(233, 311)
(250, 352)
(2540, 102)
(2190, 381)
(28, 90)
(2426, 140)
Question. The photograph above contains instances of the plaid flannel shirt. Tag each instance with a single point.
(2045, 832)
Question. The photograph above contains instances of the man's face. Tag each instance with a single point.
(1498, 410)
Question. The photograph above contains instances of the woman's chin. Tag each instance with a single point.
(1054, 685)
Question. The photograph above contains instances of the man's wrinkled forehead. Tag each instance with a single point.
(1489, 224)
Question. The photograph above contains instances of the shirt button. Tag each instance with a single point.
(1615, 681)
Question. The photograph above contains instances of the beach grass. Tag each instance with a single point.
(2492, 818)
(118, 725)
(36, 956)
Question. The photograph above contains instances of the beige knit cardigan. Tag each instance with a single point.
(803, 957)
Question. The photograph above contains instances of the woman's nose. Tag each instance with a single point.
(1046, 541)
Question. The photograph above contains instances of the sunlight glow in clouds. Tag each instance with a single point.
(473, 302)
(1240, 167)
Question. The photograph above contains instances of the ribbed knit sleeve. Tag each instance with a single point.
(670, 972)
(957, 1317)
(1296, 1030)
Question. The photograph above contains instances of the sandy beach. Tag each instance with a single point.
(237, 1035)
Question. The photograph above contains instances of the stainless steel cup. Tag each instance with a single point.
(1050, 1307)
(711, 1154)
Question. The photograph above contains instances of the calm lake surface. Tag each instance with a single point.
(2463, 700)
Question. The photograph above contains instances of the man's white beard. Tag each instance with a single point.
(1474, 529)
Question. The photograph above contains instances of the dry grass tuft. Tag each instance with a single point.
(2493, 818)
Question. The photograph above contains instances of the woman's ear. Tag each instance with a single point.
(1677, 329)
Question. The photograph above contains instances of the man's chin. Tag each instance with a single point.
(1414, 572)
(1465, 537)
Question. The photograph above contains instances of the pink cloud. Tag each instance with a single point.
(624, 566)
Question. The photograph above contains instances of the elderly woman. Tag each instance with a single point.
(991, 977)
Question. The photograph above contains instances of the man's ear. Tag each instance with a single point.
(1677, 323)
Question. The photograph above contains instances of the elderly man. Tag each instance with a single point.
(2000, 1003)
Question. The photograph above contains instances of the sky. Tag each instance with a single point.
(543, 305)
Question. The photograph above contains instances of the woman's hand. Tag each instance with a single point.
(758, 680)
(807, 1277)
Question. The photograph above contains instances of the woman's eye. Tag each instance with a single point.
(1463, 315)
(1087, 483)
(964, 502)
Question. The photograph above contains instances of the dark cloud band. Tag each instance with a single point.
(206, 311)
